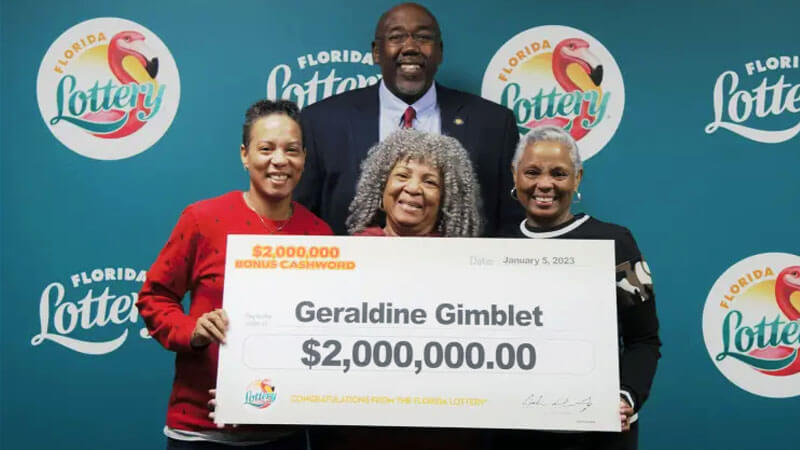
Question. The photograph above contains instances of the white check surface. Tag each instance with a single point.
(556, 368)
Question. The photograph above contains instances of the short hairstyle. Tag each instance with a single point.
(460, 209)
(549, 133)
(383, 17)
(264, 108)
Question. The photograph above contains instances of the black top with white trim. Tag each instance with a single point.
(636, 312)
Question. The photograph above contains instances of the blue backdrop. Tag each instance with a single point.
(697, 202)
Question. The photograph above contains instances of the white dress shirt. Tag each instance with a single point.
(392, 108)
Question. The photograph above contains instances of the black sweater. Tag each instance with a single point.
(636, 311)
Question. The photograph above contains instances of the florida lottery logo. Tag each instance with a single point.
(315, 75)
(260, 394)
(751, 324)
(108, 88)
(759, 100)
(557, 75)
(90, 312)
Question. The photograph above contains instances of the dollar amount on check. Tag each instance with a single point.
(419, 332)
(432, 355)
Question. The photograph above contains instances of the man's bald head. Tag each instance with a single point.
(382, 19)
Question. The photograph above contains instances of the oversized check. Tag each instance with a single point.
(442, 332)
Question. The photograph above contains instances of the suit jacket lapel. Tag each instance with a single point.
(364, 126)
(364, 123)
(454, 120)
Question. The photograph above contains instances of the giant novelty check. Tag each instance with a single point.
(494, 333)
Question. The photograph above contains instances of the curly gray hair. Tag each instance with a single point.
(459, 215)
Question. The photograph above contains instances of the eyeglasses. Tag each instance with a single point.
(399, 37)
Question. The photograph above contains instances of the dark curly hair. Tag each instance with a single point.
(264, 108)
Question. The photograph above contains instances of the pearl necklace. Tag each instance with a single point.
(261, 219)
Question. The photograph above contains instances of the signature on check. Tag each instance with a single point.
(559, 403)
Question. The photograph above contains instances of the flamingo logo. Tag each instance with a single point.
(751, 324)
(108, 88)
(260, 393)
(557, 75)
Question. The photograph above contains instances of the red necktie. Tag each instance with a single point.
(408, 118)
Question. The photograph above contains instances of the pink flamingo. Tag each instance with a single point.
(567, 52)
(123, 44)
(787, 283)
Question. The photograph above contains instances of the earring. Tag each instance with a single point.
(245, 168)
(578, 196)
(514, 193)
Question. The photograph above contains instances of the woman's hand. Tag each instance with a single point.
(210, 327)
(625, 413)
(212, 406)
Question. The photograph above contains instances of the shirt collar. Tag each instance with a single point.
(559, 230)
(389, 102)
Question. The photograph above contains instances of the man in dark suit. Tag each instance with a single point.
(339, 131)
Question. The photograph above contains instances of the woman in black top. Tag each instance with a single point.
(547, 172)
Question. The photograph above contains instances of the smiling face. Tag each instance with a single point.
(408, 48)
(546, 179)
(411, 198)
(274, 157)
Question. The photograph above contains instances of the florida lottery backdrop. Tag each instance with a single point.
(691, 141)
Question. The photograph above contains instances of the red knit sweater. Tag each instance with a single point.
(193, 260)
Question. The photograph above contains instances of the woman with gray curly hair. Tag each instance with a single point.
(412, 184)
(416, 184)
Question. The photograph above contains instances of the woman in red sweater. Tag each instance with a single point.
(193, 260)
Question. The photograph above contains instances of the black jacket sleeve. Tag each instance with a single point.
(309, 191)
(638, 322)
